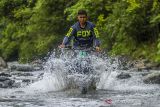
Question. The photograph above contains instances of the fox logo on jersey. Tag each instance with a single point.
(84, 33)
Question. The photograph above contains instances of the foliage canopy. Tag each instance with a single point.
(31, 28)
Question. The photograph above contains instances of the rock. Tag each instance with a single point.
(153, 78)
(12, 96)
(16, 84)
(139, 64)
(144, 64)
(5, 74)
(40, 76)
(5, 70)
(145, 74)
(38, 68)
(1, 85)
(2, 79)
(37, 64)
(26, 80)
(7, 83)
(3, 64)
(123, 75)
(21, 74)
(123, 61)
(22, 67)
(133, 70)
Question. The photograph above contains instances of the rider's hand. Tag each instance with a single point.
(61, 46)
(98, 49)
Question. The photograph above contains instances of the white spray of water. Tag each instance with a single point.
(54, 78)
(105, 71)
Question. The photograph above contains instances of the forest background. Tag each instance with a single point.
(29, 29)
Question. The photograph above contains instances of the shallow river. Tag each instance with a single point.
(51, 90)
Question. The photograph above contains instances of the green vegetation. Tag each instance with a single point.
(29, 29)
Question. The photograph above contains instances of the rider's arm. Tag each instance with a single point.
(68, 37)
(95, 34)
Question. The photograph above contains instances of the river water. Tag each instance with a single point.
(53, 90)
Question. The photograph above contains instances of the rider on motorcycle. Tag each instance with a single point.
(83, 33)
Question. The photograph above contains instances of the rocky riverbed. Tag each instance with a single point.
(121, 84)
(13, 74)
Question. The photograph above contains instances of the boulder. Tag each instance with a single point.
(153, 78)
(3, 64)
(123, 75)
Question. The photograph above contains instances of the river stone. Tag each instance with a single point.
(2, 79)
(3, 64)
(6, 83)
(26, 80)
(153, 78)
(5, 74)
(22, 67)
(16, 84)
(123, 61)
(22, 74)
(9, 83)
(1, 84)
(123, 75)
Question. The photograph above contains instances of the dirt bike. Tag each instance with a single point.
(81, 69)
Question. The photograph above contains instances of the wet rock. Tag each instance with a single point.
(153, 78)
(155, 66)
(124, 62)
(12, 96)
(133, 70)
(5, 74)
(2, 79)
(5, 70)
(1, 85)
(22, 67)
(123, 75)
(38, 68)
(37, 64)
(3, 64)
(9, 83)
(21, 74)
(16, 84)
(40, 76)
(26, 80)
(144, 64)
(6, 83)
(139, 64)
(145, 73)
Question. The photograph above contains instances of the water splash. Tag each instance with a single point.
(62, 71)
(54, 77)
